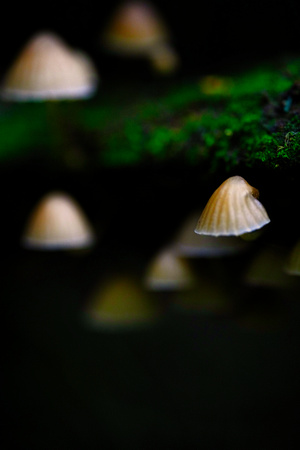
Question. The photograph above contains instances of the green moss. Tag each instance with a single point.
(247, 119)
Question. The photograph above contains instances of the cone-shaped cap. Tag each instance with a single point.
(233, 209)
(135, 28)
(167, 271)
(48, 69)
(57, 223)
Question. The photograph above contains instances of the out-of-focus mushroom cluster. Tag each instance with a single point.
(48, 69)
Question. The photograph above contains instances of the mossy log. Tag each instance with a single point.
(249, 119)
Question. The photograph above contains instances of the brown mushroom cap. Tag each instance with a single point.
(135, 28)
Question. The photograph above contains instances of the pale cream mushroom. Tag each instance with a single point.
(48, 69)
(168, 272)
(233, 209)
(58, 223)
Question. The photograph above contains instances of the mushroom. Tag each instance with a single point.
(215, 85)
(136, 29)
(119, 302)
(168, 272)
(233, 209)
(206, 297)
(164, 59)
(57, 223)
(47, 69)
(267, 269)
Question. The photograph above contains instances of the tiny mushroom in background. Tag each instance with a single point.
(47, 69)
(119, 302)
(58, 223)
(168, 272)
(266, 269)
(215, 85)
(292, 267)
(206, 297)
(136, 29)
(233, 209)
(190, 245)
(164, 59)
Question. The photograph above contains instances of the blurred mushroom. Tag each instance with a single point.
(232, 210)
(47, 69)
(267, 269)
(206, 297)
(215, 85)
(136, 29)
(168, 272)
(120, 302)
(164, 59)
(188, 244)
(57, 223)
(292, 267)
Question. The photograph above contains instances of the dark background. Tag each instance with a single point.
(196, 381)
(208, 35)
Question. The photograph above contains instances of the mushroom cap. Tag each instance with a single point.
(135, 28)
(167, 271)
(57, 223)
(119, 301)
(47, 69)
(233, 209)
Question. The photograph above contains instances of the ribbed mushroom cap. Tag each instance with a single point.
(119, 301)
(167, 271)
(233, 209)
(135, 28)
(57, 223)
(48, 69)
